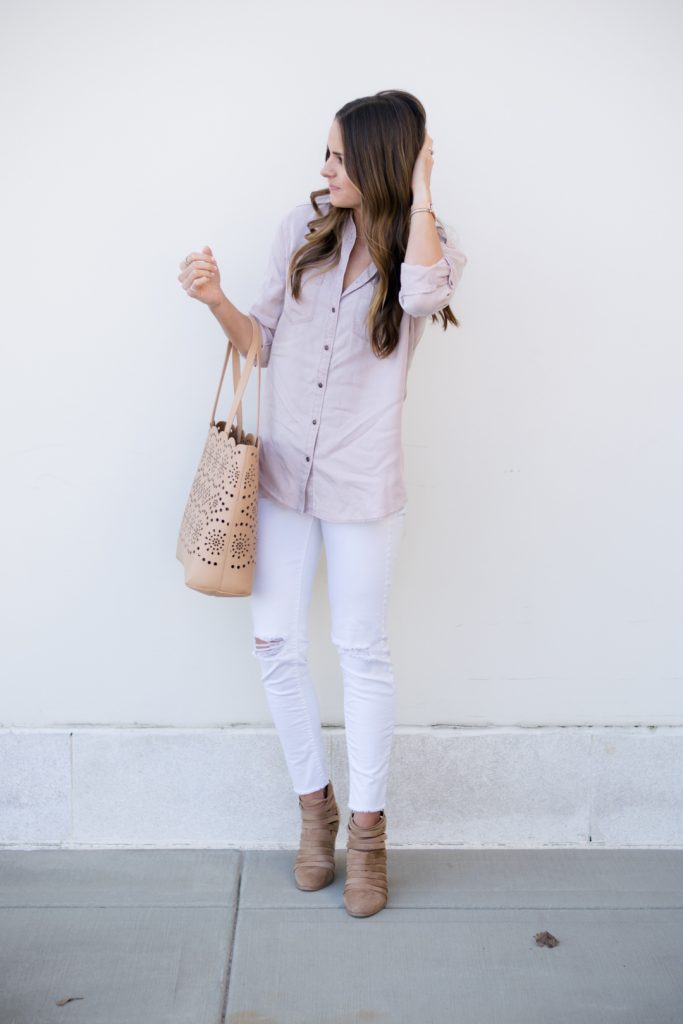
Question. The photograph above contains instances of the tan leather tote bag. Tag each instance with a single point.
(217, 538)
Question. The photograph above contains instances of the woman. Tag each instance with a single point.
(352, 277)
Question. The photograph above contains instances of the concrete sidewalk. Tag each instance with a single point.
(212, 936)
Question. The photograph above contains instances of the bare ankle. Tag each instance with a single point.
(366, 818)
(310, 798)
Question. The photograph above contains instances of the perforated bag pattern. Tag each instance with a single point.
(217, 537)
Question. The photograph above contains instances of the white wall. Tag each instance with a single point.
(540, 578)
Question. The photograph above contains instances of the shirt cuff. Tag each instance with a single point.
(418, 280)
(426, 290)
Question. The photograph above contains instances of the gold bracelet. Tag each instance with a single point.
(424, 209)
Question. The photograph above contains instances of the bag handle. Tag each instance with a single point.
(253, 356)
(240, 381)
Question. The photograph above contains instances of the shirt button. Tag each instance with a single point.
(327, 346)
(333, 310)
(320, 383)
(308, 458)
(315, 421)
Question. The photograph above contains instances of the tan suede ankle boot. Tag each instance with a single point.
(366, 889)
(314, 867)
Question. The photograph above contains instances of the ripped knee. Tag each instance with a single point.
(269, 646)
(369, 648)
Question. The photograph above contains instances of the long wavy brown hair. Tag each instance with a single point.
(382, 135)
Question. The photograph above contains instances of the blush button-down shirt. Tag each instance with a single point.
(330, 419)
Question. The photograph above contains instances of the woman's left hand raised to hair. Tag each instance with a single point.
(422, 172)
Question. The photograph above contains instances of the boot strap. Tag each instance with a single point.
(319, 826)
(366, 858)
(319, 815)
(367, 871)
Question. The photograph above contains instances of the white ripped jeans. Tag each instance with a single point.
(360, 560)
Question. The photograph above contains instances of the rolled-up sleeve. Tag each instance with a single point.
(268, 307)
(426, 290)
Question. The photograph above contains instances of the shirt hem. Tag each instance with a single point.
(317, 514)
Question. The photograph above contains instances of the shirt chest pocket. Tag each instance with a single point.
(301, 310)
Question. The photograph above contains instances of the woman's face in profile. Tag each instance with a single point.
(342, 191)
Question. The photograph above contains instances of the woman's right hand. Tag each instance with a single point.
(201, 278)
